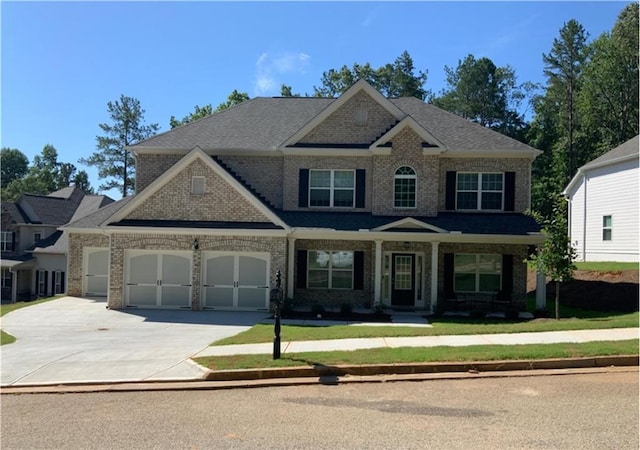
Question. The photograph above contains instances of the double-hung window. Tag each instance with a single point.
(330, 269)
(478, 273)
(6, 278)
(404, 188)
(57, 282)
(37, 236)
(42, 283)
(479, 191)
(607, 228)
(6, 241)
(332, 188)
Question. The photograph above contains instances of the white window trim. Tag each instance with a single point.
(330, 269)
(406, 177)
(480, 191)
(332, 188)
(477, 271)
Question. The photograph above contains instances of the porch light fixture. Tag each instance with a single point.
(195, 245)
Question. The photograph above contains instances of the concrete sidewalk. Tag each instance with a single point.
(546, 337)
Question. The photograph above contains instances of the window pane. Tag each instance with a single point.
(489, 263)
(318, 259)
(491, 181)
(465, 282)
(343, 179)
(606, 221)
(405, 193)
(343, 197)
(467, 181)
(342, 260)
(341, 279)
(606, 234)
(492, 200)
(467, 200)
(489, 283)
(319, 197)
(465, 263)
(405, 170)
(320, 178)
(318, 279)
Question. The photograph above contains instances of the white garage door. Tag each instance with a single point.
(235, 280)
(156, 280)
(96, 272)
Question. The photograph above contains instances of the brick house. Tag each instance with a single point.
(358, 199)
(34, 251)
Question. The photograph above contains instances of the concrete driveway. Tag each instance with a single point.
(79, 340)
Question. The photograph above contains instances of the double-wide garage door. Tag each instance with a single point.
(234, 281)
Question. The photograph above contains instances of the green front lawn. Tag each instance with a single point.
(440, 326)
(607, 266)
(424, 354)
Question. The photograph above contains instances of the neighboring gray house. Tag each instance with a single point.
(34, 251)
(603, 206)
(358, 199)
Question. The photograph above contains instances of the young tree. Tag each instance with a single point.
(556, 255)
(13, 165)
(112, 158)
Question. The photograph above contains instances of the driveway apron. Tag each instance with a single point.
(80, 340)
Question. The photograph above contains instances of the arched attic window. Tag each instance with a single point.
(404, 188)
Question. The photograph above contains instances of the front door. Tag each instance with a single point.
(403, 284)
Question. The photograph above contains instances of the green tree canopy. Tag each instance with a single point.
(397, 79)
(127, 127)
(13, 165)
(235, 98)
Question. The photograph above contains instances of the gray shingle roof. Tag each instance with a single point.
(625, 149)
(96, 219)
(266, 123)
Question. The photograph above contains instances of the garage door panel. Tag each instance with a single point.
(252, 297)
(143, 295)
(176, 269)
(96, 285)
(143, 269)
(218, 297)
(96, 272)
(98, 262)
(220, 270)
(252, 271)
(175, 296)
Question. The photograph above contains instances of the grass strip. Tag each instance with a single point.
(6, 338)
(606, 266)
(424, 354)
(441, 326)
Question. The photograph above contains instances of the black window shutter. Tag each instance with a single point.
(360, 187)
(37, 283)
(448, 275)
(301, 273)
(303, 188)
(358, 270)
(46, 280)
(507, 274)
(53, 282)
(450, 197)
(62, 287)
(12, 247)
(509, 191)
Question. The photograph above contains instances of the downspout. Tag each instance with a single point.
(584, 221)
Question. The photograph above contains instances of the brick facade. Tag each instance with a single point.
(150, 167)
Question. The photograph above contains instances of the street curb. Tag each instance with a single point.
(420, 368)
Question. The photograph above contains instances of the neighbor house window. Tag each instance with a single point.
(330, 269)
(57, 282)
(333, 188)
(477, 273)
(404, 188)
(6, 241)
(42, 283)
(6, 278)
(479, 191)
(197, 185)
(37, 235)
(606, 228)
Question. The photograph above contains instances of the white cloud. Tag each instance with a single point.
(269, 68)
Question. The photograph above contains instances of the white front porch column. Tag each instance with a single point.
(377, 276)
(434, 275)
(541, 290)
(291, 251)
(14, 286)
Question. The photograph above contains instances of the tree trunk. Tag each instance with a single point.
(557, 300)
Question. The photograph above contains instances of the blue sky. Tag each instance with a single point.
(63, 61)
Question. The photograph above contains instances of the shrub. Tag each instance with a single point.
(317, 308)
(346, 309)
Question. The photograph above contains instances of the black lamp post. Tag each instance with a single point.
(276, 299)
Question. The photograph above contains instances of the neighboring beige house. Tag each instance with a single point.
(34, 251)
(603, 206)
(359, 199)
